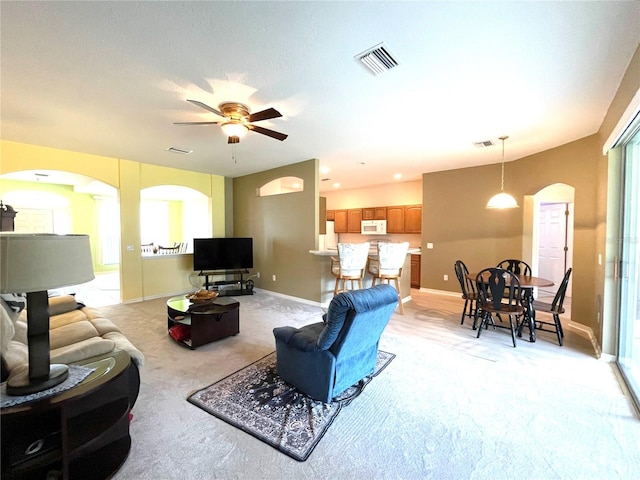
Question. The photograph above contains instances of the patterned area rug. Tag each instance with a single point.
(256, 400)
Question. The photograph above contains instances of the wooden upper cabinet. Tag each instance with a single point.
(413, 219)
(374, 213)
(331, 215)
(340, 219)
(395, 219)
(368, 214)
(354, 221)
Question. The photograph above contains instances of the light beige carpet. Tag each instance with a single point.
(449, 406)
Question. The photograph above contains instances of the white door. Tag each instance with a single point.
(553, 244)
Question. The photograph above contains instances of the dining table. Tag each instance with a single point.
(527, 283)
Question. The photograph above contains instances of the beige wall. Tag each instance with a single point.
(400, 193)
(284, 228)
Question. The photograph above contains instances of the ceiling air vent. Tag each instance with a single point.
(486, 143)
(377, 59)
(179, 150)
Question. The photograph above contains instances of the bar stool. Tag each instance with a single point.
(350, 265)
(388, 266)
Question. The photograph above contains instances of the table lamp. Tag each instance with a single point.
(32, 264)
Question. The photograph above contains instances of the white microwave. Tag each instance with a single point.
(373, 227)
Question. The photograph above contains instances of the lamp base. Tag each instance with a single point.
(21, 384)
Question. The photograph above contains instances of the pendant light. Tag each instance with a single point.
(502, 199)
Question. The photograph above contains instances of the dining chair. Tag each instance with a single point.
(469, 291)
(518, 267)
(350, 265)
(387, 266)
(499, 293)
(168, 250)
(147, 247)
(555, 308)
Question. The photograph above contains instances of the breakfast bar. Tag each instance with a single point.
(328, 280)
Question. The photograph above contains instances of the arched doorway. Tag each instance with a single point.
(549, 214)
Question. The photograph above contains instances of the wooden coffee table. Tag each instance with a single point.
(201, 323)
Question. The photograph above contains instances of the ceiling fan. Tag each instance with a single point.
(237, 120)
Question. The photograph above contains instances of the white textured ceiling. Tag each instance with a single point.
(110, 78)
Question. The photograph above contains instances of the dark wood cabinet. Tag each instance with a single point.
(413, 219)
(205, 323)
(415, 271)
(354, 220)
(395, 219)
(80, 433)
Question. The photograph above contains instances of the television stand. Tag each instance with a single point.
(228, 288)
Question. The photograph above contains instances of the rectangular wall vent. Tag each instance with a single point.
(486, 143)
(179, 150)
(377, 59)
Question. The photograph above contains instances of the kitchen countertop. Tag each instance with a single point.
(329, 253)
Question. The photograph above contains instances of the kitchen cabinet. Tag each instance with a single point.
(415, 271)
(374, 213)
(395, 219)
(340, 221)
(413, 219)
(331, 215)
(354, 220)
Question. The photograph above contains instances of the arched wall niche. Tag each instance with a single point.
(281, 186)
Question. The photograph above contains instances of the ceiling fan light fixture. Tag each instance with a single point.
(234, 128)
(502, 200)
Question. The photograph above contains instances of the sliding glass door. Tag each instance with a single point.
(628, 269)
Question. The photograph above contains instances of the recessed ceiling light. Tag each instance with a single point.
(336, 185)
(324, 170)
(179, 150)
(397, 176)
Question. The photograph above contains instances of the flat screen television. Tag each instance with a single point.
(222, 254)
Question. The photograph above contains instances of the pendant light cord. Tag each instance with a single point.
(503, 138)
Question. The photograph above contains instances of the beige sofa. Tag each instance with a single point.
(76, 333)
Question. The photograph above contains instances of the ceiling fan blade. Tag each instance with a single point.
(196, 123)
(206, 107)
(233, 139)
(264, 115)
(267, 132)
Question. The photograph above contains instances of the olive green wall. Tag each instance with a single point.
(284, 228)
(456, 221)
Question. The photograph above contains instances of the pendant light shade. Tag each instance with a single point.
(502, 200)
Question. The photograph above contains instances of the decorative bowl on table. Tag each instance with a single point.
(202, 296)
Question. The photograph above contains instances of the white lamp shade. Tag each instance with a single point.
(502, 200)
(36, 262)
(234, 129)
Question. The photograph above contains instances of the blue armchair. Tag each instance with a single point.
(323, 359)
